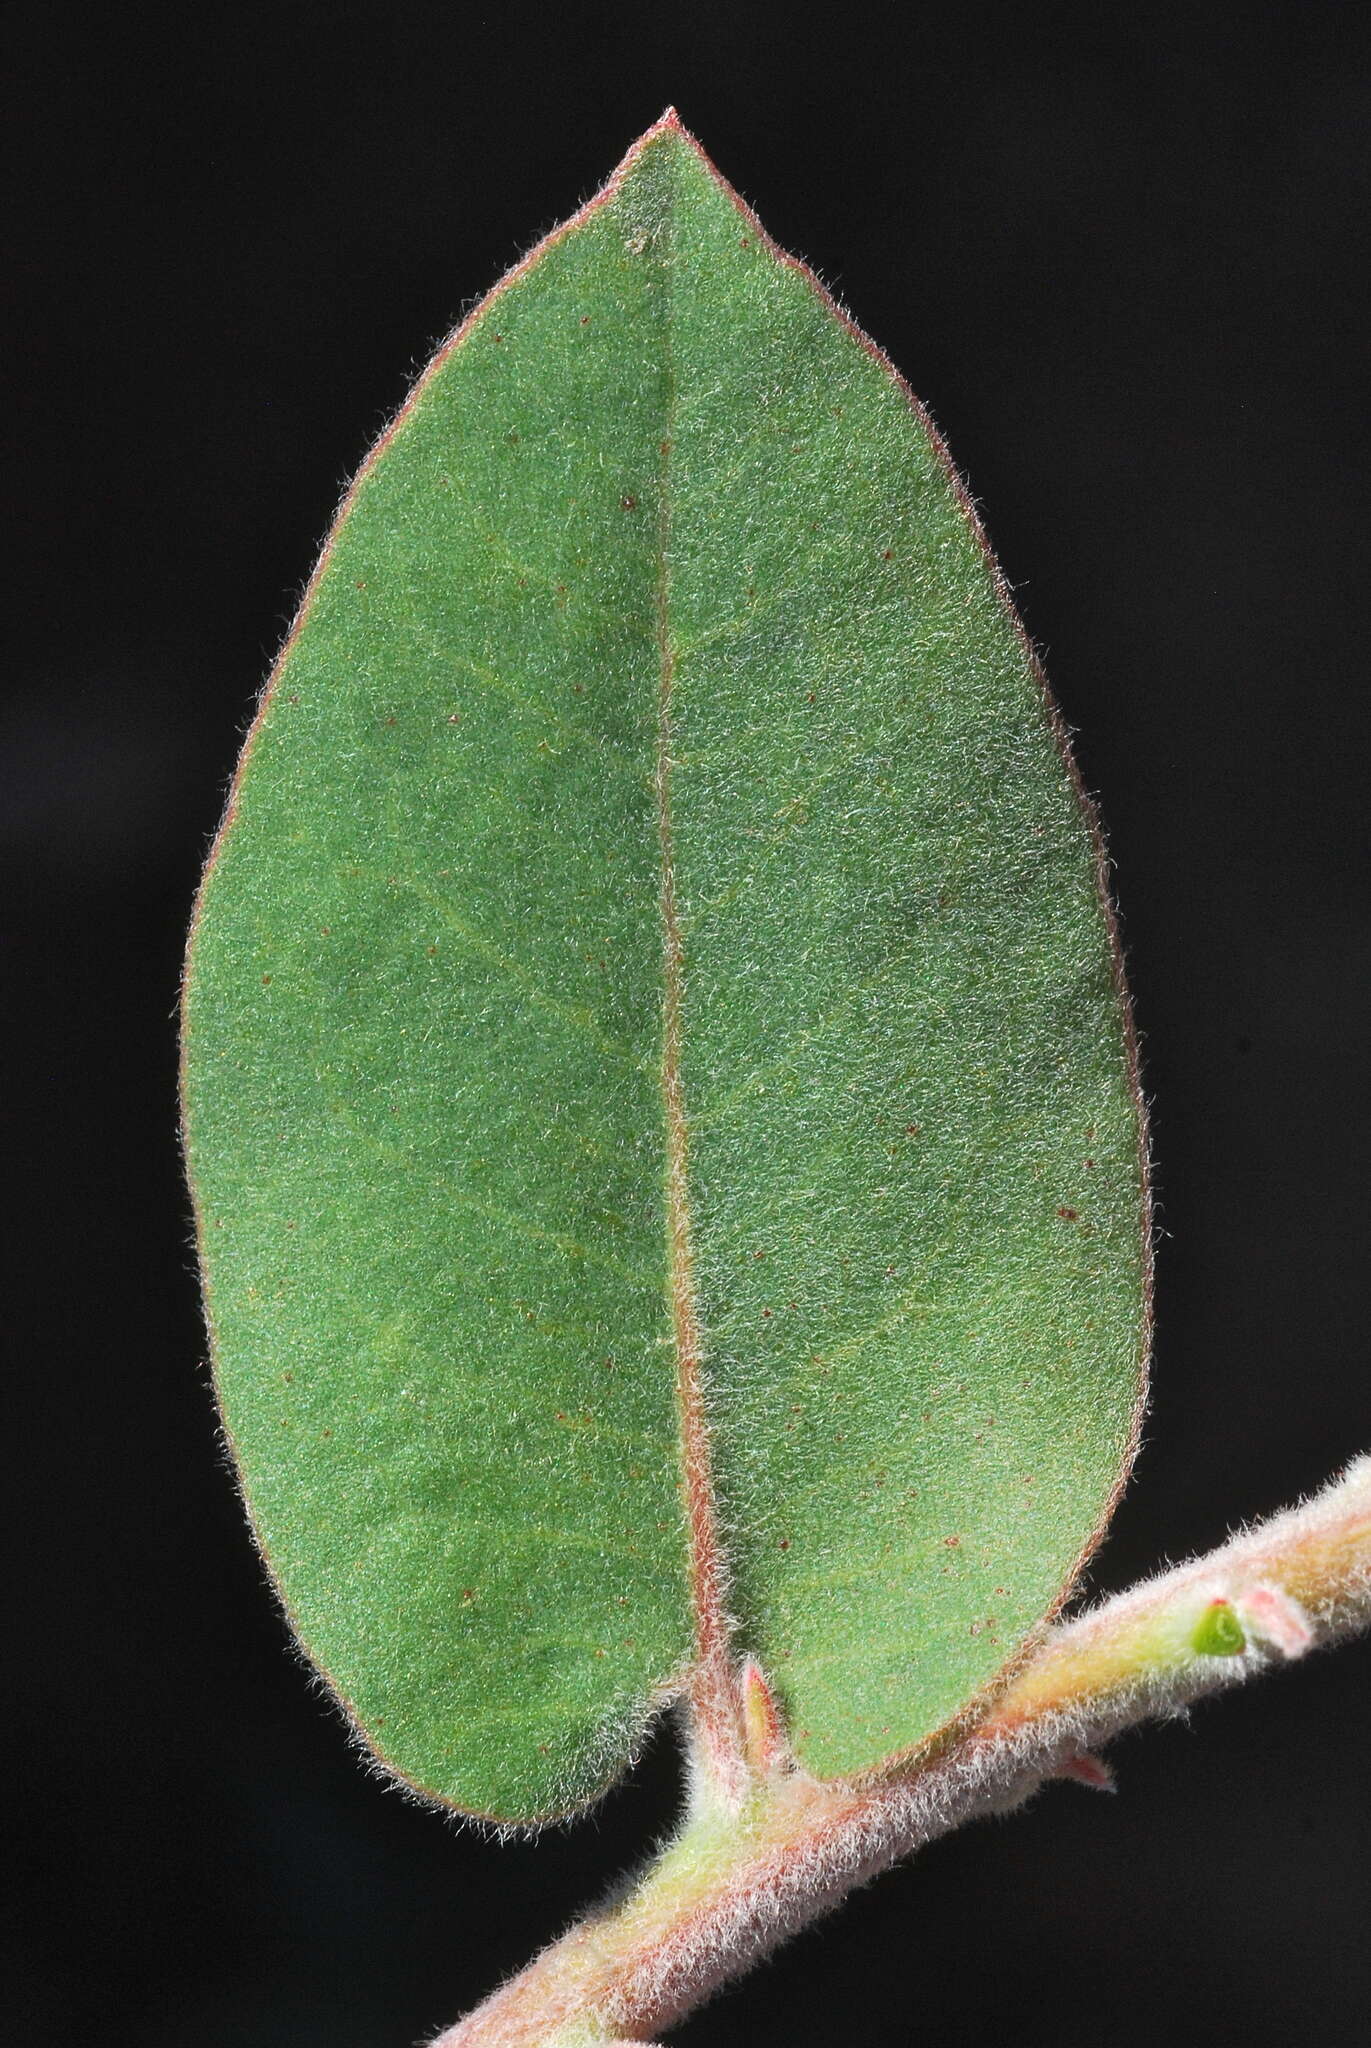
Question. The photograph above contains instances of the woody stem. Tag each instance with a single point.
(746, 1870)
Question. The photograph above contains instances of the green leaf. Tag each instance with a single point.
(659, 1096)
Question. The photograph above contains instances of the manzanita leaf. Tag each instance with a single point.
(659, 1095)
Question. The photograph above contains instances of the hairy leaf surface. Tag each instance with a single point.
(658, 1092)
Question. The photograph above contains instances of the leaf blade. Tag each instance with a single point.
(504, 554)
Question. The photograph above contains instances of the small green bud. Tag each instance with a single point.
(1218, 1632)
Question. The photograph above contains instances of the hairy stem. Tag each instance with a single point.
(738, 1878)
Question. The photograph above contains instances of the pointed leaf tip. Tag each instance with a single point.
(670, 122)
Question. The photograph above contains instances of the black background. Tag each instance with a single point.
(1120, 253)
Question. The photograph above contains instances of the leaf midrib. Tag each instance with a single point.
(711, 1682)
